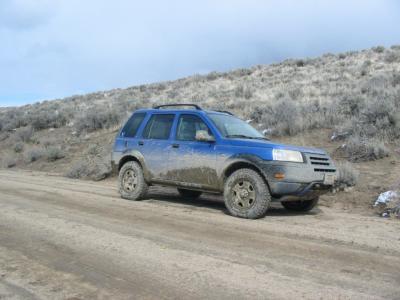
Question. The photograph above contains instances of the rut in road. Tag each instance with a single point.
(166, 248)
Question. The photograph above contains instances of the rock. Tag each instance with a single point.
(348, 189)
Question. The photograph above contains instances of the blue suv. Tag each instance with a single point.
(199, 151)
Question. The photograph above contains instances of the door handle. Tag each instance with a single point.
(175, 145)
(140, 143)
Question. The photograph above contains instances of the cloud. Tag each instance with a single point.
(25, 14)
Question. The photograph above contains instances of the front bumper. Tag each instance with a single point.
(302, 181)
(287, 191)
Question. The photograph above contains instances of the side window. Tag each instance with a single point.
(187, 127)
(158, 127)
(132, 126)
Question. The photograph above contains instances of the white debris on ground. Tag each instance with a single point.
(389, 204)
(385, 197)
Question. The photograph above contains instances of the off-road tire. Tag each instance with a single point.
(254, 208)
(141, 187)
(190, 194)
(300, 206)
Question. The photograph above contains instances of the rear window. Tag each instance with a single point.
(159, 127)
(131, 127)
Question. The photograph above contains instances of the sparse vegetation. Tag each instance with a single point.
(354, 94)
(347, 174)
(18, 147)
(9, 161)
(54, 153)
(96, 169)
(97, 119)
(378, 49)
(25, 134)
(361, 149)
(33, 155)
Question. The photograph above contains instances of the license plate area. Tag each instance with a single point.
(329, 179)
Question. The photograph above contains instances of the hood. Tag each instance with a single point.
(271, 144)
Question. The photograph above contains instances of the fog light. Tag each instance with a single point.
(279, 175)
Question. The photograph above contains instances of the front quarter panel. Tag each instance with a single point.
(228, 155)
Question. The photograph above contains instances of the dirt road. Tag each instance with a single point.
(69, 239)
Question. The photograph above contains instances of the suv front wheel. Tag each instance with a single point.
(132, 185)
(246, 194)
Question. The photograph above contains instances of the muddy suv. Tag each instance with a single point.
(199, 151)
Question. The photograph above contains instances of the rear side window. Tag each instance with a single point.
(158, 127)
(131, 127)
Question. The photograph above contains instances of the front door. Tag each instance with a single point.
(192, 163)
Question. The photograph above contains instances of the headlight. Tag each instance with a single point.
(287, 155)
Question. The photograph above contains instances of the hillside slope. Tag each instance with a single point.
(348, 104)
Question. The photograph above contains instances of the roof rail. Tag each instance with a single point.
(225, 112)
(182, 104)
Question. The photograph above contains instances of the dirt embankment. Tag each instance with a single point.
(70, 239)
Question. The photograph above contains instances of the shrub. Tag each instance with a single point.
(363, 149)
(392, 57)
(54, 153)
(9, 161)
(47, 119)
(378, 49)
(243, 92)
(396, 79)
(300, 63)
(25, 134)
(212, 76)
(93, 150)
(283, 117)
(33, 155)
(347, 175)
(47, 142)
(96, 169)
(18, 147)
(97, 119)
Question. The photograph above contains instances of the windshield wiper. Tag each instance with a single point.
(240, 136)
(262, 138)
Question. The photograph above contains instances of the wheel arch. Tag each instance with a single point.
(126, 159)
(243, 164)
(137, 157)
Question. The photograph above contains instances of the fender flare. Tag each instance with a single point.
(137, 156)
(237, 161)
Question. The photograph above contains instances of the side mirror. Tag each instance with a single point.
(203, 136)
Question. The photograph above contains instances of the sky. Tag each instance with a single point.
(57, 48)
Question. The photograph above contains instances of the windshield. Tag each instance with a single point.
(232, 127)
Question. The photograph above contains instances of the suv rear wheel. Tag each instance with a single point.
(132, 185)
(189, 193)
(302, 206)
(246, 194)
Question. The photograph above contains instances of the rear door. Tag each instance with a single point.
(192, 163)
(155, 144)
